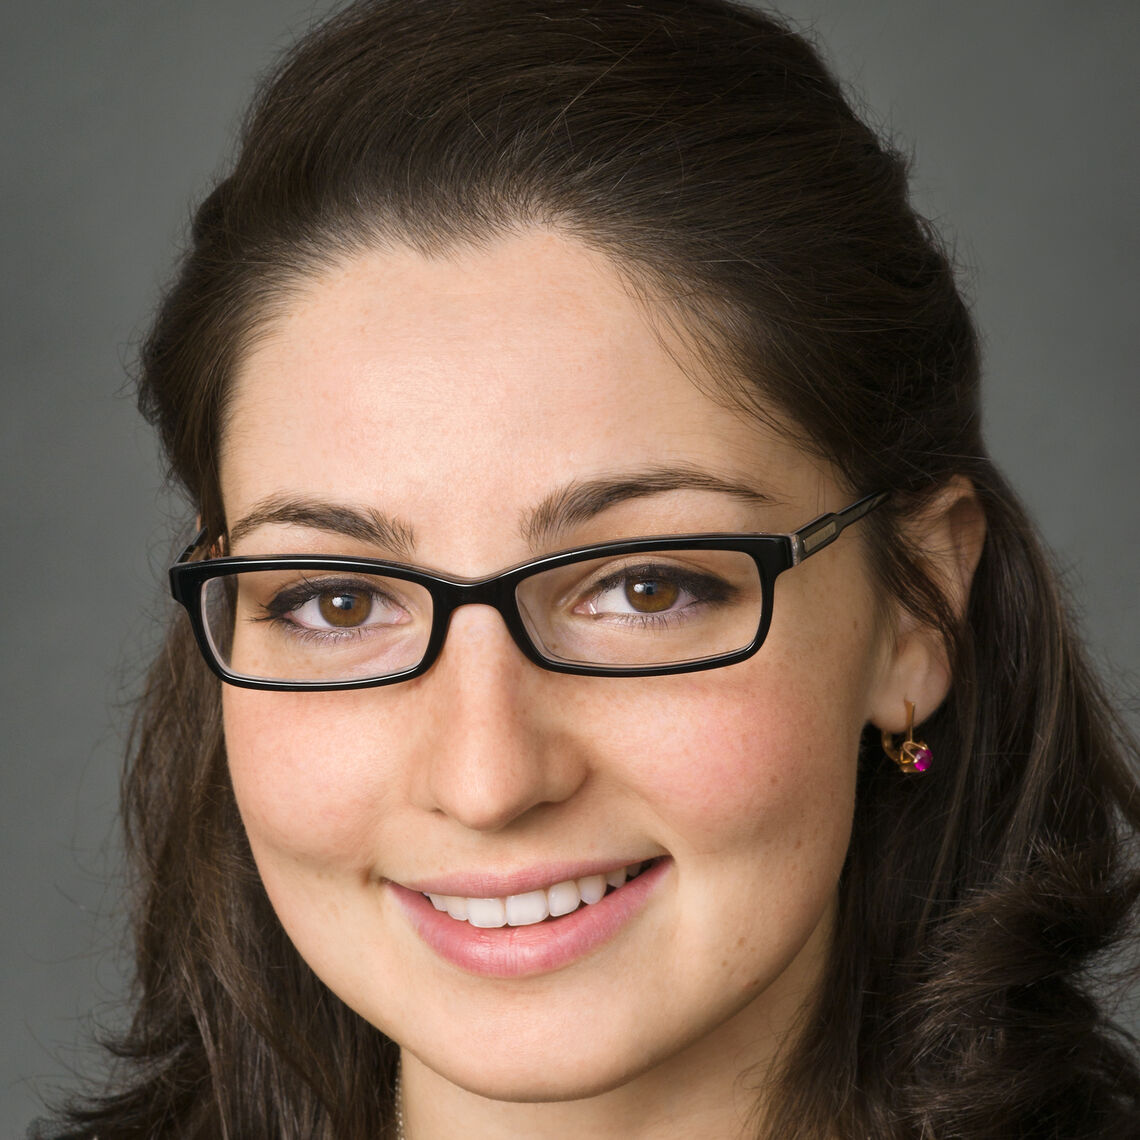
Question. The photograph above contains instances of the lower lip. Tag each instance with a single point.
(525, 951)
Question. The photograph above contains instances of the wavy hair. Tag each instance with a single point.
(707, 151)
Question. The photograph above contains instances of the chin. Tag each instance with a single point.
(519, 1080)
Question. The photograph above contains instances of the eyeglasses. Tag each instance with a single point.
(645, 607)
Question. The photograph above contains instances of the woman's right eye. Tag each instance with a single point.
(337, 606)
(342, 609)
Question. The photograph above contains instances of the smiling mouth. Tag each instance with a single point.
(540, 905)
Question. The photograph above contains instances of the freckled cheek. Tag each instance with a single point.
(745, 764)
(303, 789)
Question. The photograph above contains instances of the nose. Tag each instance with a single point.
(490, 741)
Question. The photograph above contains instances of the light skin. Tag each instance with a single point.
(453, 397)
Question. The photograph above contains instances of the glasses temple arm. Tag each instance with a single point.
(827, 528)
(197, 541)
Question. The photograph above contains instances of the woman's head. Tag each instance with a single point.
(473, 259)
(456, 275)
(479, 410)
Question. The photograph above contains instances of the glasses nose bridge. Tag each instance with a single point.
(495, 592)
(498, 592)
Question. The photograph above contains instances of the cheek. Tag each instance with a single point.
(739, 761)
(306, 793)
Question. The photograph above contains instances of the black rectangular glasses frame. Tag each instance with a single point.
(772, 554)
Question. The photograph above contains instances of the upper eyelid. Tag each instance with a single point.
(682, 574)
(313, 586)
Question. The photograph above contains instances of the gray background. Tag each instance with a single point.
(114, 115)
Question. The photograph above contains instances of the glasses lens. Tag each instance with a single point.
(316, 625)
(652, 608)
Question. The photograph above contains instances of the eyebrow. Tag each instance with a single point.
(579, 502)
(563, 509)
(364, 524)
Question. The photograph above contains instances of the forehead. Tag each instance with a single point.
(460, 389)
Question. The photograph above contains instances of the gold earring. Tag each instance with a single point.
(912, 755)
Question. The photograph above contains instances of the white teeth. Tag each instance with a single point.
(534, 906)
(562, 898)
(526, 910)
(591, 888)
(487, 913)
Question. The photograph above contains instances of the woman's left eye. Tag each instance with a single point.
(648, 591)
(639, 595)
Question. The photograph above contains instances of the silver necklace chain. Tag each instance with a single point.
(400, 1135)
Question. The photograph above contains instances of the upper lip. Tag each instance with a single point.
(501, 884)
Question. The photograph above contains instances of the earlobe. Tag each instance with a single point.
(947, 535)
(919, 672)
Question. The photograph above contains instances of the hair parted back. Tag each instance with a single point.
(705, 149)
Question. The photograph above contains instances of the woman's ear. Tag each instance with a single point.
(947, 537)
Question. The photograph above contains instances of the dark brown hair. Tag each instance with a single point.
(707, 151)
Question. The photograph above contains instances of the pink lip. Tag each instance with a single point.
(525, 951)
(498, 886)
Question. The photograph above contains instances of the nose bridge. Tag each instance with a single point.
(491, 745)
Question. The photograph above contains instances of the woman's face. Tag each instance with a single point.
(464, 405)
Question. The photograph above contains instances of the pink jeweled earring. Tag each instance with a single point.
(912, 755)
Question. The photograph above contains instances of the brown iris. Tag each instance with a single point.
(345, 608)
(651, 595)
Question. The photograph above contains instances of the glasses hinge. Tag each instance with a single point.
(815, 536)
